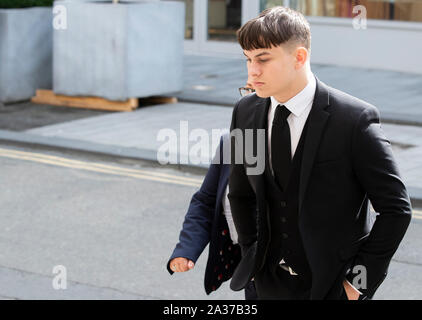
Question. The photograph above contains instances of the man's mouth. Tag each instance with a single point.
(258, 84)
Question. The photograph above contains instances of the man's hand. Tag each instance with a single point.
(181, 264)
(351, 292)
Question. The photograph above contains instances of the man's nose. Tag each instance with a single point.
(254, 70)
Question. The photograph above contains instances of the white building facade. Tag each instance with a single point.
(379, 34)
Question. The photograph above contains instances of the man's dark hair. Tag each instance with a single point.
(273, 27)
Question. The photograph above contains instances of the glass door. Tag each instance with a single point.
(220, 19)
(211, 25)
(224, 18)
(189, 4)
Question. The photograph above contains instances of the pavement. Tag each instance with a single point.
(204, 108)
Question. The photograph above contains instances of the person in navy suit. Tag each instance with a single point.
(209, 220)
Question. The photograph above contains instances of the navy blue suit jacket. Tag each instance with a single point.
(205, 223)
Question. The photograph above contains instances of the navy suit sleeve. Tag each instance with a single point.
(196, 231)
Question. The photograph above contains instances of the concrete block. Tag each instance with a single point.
(119, 51)
(26, 37)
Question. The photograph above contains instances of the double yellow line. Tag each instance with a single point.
(99, 167)
(114, 170)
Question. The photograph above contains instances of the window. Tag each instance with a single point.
(224, 19)
(188, 18)
(400, 10)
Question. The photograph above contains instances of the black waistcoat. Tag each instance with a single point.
(286, 242)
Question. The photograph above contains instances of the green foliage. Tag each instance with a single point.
(9, 4)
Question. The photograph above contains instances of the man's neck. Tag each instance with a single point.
(295, 88)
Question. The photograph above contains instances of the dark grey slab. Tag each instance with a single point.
(397, 95)
(26, 115)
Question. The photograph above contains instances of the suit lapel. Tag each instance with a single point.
(261, 113)
(224, 179)
(316, 123)
(260, 122)
(225, 169)
(263, 232)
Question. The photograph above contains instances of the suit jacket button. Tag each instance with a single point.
(283, 219)
(285, 235)
(283, 204)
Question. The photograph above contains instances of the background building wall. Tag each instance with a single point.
(385, 45)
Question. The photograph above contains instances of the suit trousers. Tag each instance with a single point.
(337, 291)
(250, 291)
(274, 283)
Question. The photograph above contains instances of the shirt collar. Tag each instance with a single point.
(299, 102)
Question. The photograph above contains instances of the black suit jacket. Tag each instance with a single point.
(347, 162)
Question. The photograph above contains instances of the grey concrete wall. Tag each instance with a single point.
(155, 48)
(387, 45)
(25, 52)
(118, 51)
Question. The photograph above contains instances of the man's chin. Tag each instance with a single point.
(262, 94)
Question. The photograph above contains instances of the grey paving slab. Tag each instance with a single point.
(396, 285)
(403, 134)
(397, 95)
(404, 271)
(409, 159)
(139, 130)
(145, 123)
(26, 115)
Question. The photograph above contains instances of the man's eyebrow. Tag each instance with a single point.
(259, 54)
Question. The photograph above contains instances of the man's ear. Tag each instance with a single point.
(301, 55)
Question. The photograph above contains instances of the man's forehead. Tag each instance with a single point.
(259, 52)
(252, 54)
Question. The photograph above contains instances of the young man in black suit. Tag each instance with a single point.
(304, 224)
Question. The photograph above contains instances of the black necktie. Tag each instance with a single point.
(281, 146)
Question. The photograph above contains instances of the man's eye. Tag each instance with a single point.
(262, 61)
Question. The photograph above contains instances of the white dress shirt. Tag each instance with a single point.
(299, 106)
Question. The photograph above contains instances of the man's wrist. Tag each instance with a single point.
(351, 291)
(350, 278)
